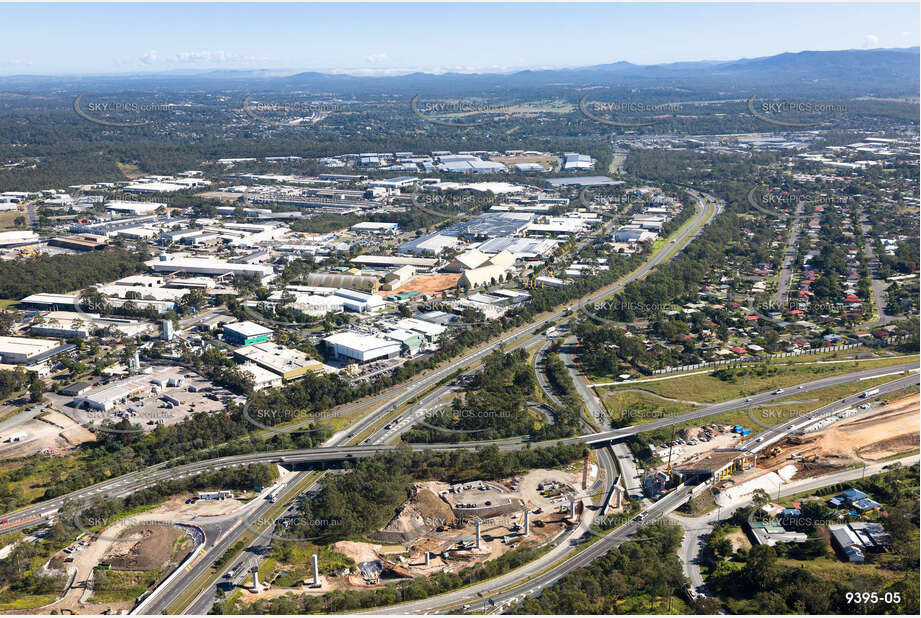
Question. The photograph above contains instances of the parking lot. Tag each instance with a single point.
(177, 393)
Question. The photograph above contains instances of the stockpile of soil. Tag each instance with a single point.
(152, 551)
(422, 513)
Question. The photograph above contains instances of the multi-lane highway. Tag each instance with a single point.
(130, 483)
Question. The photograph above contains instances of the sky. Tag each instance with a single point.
(380, 39)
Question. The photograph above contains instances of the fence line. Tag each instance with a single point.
(766, 357)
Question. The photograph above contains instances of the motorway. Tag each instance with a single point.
(540, 573)
(776, 432)
(335, 451)
(129, 483)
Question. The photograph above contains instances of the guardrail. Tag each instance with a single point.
(179, 570)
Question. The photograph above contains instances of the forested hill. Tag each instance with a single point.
(57, 274)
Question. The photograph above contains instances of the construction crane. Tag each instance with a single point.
(668, 467)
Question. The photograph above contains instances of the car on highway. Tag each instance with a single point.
(778, 391)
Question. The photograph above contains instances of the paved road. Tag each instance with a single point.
(777, 432)
(754, 400)
(253, 555)
(129, 483)
(698, 529)
(878, 285)
(778, 300)
(708, 209)
(26, 415)
(563, 558)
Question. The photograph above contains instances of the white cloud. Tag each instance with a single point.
(151, 57)
(376, 58)
(870, 41)
(196, 58)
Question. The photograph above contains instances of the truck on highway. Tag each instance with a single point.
(869, 393)
(275, 493)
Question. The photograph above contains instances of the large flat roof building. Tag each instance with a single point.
(134, 208)
(290, 364)
(362, 348)
(26, 351)
(66, 324)
(394, 260)
(209, 266)
(246, 333)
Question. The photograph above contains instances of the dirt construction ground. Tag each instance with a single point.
(151, 551)
(430, 285)
(880, 432)
(52, 430)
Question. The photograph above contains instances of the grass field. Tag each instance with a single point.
(129, 170)
(29, 601)
(8, 218)
(705, 388)
(847, 573)
(624, 406)
(761, 418)
(121, 586)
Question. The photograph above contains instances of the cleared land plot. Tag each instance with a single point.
(431, 285)
(873, 436)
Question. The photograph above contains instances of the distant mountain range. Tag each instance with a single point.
(845, 73)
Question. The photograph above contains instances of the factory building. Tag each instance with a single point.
(375, 227)
(575, 161)
(395, 260)
(107, 397)
(12, 239)
(290, 364)
(467, 260)
(429, 330)
(133, 208)
(362, 348)
(365, 283)
(67, 324)
(27, 351)
(246, 333)
(410, 341)
(262, 378)
(486, 275)
(399, 277)
(633, 234)
(432, 244)
(210, 266)
(80, 242)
